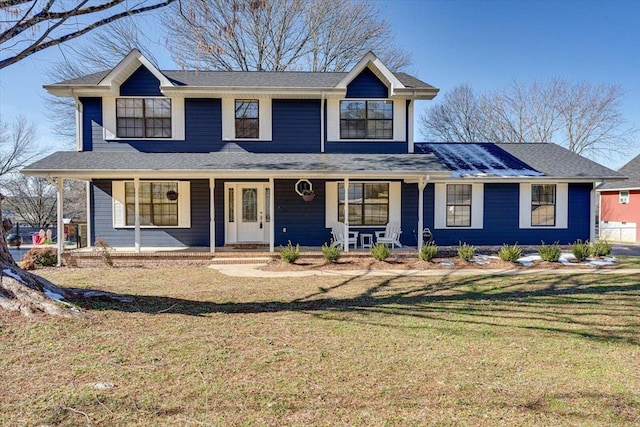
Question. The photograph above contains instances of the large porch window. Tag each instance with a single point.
(368, 203)
(155, 208)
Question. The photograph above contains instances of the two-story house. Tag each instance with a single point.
(207, 159)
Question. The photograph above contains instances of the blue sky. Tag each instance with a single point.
(486, 44)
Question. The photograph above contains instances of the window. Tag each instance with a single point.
(155, 208)
(623, 197)
(366, 119)
(368, 203)
(459, 205)
(247, 120)
(543, 205)
(143, 117)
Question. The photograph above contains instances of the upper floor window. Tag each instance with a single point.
(143, 117)
(543, 205)
(459, 205)
(155, 206)
(368, 203)
(366, 119)
(623, 197)
(247, 118)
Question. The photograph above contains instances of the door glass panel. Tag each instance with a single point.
(249, 205)
(267, 204)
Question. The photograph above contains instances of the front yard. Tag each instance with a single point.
(200, 348)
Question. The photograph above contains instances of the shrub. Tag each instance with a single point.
(331, 253)
(39, 257)
(466, 252)
(581, 250)
(510, 252)
(601, 248)
(380, 252)
(549, 253)
(103, 247)
(428, 251)
(290, 253)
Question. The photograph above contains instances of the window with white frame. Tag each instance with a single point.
(247, 118)
(372, 119)
(543, 205)
(156, 208)
(623, 197)
(368, 203)
(459, 205)
(143, 117)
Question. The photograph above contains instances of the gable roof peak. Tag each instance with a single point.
(127, 66)
(371, 61)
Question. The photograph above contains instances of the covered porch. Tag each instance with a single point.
(280, 177)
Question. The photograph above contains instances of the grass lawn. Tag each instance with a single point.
(200, 348)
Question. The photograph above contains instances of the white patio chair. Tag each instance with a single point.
(337, 231)
(390, 235)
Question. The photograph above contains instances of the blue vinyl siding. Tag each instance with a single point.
(102, 220)
(501, 219)
(91, 122)
(367, 85)
(363, 147)
(304, 221)
(141, 83)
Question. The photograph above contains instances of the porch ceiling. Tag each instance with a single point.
(91, 164)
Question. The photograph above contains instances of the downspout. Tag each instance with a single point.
(346, 215)
(592, 214)
(322, 102)
(422, 183)
(410, 113)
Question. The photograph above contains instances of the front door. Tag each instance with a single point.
(247, 212)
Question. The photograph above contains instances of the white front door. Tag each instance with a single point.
(247, 212)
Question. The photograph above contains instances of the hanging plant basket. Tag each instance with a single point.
(308, 197)
(172, 195)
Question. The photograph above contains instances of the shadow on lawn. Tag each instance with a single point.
(565, 303)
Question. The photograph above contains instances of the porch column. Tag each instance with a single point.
(60, 220)
(89, 226)
(422, 183)
(136, 186)
(272, 215)
(212, 215)
(346, 215)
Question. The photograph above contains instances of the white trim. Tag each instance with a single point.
(371, 61)
(331, 202)
(592, 214)
(229, 119)
(89, 227)
(410, 137)
(60, 219)
(272, 215)
(109, 122)
(119, 210)
(79, 126)
(440, 206)
(137, 234)
(322, 119)
(562, 206)
(125, 68)
(333, 120)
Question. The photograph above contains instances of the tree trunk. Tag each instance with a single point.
(28, 293)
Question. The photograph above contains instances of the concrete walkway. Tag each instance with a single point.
(252, 270)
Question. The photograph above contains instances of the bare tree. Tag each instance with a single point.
(31, 199)
(457, 118)
(278, 35)
(583, 117)
(18, 145)
(29, 26)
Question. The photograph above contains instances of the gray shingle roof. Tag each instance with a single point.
(236, 162)
(632, 171)
(556, 161)
(281, 79)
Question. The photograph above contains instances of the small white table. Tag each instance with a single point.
(366, 240)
